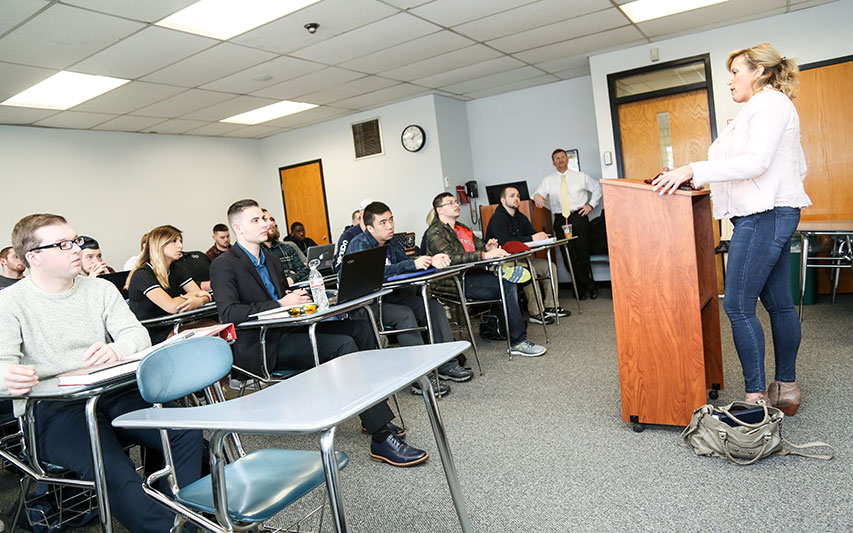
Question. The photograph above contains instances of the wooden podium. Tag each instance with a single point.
(664, 301)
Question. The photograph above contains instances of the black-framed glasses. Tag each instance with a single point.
(62, 245)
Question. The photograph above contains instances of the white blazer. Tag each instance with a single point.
(757, 163)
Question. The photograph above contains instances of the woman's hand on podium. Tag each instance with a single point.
(669, 181)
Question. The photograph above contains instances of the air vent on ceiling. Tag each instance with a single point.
(367, 138)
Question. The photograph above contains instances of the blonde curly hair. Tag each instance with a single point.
(780, 72)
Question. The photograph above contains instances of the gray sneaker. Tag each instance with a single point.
(526, 348)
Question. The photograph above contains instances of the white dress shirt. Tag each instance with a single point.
(757, 163)
(582, 190)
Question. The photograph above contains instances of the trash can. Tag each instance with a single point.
(811, 275)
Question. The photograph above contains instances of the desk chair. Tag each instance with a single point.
(252, 488)
(842, 253)
(69, 501)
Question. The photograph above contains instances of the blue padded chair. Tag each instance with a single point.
(256, 485)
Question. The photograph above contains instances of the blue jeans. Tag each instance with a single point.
(760, 265)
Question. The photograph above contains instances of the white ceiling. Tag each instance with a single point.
(366, 53)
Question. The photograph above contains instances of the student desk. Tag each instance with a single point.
(311, 321)
(811, 229)
(350, 384)
(548, 245)
(176, 320)
(49, 389)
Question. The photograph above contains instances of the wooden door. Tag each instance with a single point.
(304, 194)
(645, 140)
(826, 115)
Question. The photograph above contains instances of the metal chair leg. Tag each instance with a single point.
(463, 304)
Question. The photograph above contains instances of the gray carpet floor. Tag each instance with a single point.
(540, 446)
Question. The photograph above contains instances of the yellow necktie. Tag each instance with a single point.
(564, 197)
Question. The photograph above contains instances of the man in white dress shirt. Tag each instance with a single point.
(571, 196)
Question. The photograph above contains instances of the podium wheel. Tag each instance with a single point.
(638, 428)
(713, 394)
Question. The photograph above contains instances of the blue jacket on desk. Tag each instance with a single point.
(397, 263)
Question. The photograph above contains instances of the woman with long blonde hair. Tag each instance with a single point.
(756, 169)
(157, 285)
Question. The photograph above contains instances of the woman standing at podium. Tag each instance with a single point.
(756, 169)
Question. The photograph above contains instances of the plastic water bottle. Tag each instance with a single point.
(318, 286)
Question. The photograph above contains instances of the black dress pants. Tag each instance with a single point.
(334, 339)
(579, 248)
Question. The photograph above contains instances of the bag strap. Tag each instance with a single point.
(795, 450)
(724, 437)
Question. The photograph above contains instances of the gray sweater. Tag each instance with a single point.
(53, 331)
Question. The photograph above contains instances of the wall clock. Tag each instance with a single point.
(413, 138)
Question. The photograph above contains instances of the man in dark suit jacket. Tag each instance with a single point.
(248, 279)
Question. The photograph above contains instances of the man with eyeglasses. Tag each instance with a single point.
(55, 321)
(447, 236)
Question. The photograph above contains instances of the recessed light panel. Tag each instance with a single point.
(223, 19)
(263, 114)
(643, 10)
(64, 90)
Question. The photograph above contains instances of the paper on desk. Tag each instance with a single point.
(543, 242)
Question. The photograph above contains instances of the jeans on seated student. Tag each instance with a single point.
(64, 440)
(483, 285)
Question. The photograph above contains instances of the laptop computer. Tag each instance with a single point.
(361, 273)
(325, 253)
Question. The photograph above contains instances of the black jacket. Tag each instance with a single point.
(239, 292)
(506, 228)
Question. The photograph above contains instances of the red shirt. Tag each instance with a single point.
(466, 237)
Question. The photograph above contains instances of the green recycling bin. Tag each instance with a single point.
(811, 275)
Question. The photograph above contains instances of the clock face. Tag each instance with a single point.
(413, 138)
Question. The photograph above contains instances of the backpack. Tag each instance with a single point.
(492, 324)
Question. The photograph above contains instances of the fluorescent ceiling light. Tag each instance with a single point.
(223, 19)
(263, 114)
(643, 10)
(64, 90)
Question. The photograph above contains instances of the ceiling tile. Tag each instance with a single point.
(129, 123)
(176, 125)
(370, 38)
(561, 31)
(229, 108)
(409, 52)
(528, 17)
(443, 62)
(16, 78)
(349, 89)
(150, 49)
(252, 132)
(183, 103)
(492, 66)
(576, 72)
(129, 97)
(389, 95)
(23, 115)
(62, 35)
(581, 45)
(452, 12)
(727, 13)
(279, 70)
(407, 4)
(215, 129)
(17, 11)
(147, 11)
(334, 17)
(515, 86)
(209, 65)
(316, 81)
(494, 80)
(75, 120)
(564, 63)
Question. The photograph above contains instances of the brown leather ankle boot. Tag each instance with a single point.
(784, 396)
